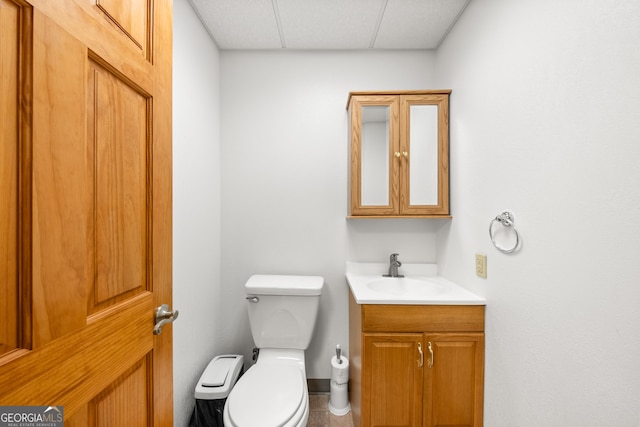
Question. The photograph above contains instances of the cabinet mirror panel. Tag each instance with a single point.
(423, 149)
(375, 155)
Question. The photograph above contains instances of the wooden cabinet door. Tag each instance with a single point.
(85, 182)
(374, 155)
(454, 381)
(424, 160)
(391, 380)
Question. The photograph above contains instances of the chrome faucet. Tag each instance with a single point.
(393, 266)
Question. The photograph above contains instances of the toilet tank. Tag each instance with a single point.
(283, 309)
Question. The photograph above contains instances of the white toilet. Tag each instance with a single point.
(282, 314)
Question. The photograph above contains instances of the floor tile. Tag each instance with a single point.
(319, 415)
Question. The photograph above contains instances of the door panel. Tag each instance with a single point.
(118, 133)
(85, 182)
(131, 17)
(126, 401)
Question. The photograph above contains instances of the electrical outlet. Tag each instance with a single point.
(481, 266)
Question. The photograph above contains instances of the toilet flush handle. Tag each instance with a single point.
(253, 299)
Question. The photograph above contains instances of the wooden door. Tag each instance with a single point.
(85, 208)
(391, 380)
(454, 383)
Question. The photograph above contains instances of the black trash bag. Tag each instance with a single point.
(208, 413)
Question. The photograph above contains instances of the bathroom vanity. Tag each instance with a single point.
(415, 361)
(399, 154)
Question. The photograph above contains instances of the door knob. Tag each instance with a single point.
(163, 316)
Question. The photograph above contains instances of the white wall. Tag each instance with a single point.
(196, 205)
(284, 180)
(546, 122)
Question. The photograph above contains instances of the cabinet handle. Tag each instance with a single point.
(397, 154)
(421, 360)
(405, 154)
(430, 364)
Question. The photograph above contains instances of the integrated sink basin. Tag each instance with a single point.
(420, 286)
(405, 286)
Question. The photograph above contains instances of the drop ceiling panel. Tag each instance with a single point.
(417, 24)
(329, 24)
(240, 24)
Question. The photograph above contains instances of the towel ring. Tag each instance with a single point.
(507, 219)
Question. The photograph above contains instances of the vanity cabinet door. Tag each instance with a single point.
(399, 155)
(392, 386)
(453, 380)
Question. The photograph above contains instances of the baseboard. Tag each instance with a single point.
(319, 385)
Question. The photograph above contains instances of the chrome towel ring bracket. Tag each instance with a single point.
(507, 219)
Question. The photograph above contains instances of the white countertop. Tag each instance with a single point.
(420, 286)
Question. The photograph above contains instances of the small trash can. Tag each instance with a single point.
(213, 388)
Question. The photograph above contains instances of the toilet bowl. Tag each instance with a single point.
(282, 314)
(273, 392)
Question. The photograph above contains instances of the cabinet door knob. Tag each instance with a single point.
(397, 154)
(421, 360)
(430, 364)
(405, 154)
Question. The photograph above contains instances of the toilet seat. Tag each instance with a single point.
(268, 395)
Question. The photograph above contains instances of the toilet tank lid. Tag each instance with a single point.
(267, 284)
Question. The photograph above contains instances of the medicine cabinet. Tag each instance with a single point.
(399, 155)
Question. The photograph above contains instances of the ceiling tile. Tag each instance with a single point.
(329, 24)
(240, 24)
(417, 24)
